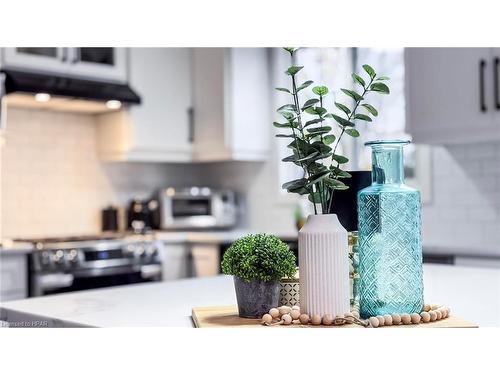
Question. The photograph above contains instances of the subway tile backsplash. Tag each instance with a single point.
(465, 209)
(53, 182)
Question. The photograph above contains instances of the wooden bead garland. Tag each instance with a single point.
(285, 315)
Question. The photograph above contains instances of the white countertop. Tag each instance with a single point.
(472, 293)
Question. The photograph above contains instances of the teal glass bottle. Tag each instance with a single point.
(390, 247)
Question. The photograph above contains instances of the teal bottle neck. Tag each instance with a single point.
(387, 164)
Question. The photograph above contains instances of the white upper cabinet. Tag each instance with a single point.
(160, 128)
(103, 63)
(450, 95)
(231, 99)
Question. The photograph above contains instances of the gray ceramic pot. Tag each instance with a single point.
(256, 297)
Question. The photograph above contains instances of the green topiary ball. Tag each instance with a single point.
(259, 257)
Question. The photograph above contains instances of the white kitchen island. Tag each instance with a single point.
(472, 293)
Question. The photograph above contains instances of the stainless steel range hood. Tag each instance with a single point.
(67, 87)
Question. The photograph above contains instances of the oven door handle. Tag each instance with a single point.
(55, 281)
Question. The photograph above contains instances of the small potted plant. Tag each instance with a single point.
(258, 262)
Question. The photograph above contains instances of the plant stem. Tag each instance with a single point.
(299, 121)
(365, 89)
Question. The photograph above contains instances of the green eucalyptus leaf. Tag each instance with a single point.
(328, 139)
(301, 182)
(380, 87)
(360, 116)
(342, 121)
(382, 78)
(352, 94)
(284, 136)
(288, 115)
(315, 197)
(297, 159)
(358, 79)
(352, 132)
(343, 108)
(369, 70)
(294, 69)
(340, 159)
(339, 172)
(286, 107)
(314, 121)
(309, 103)
(333, 182)
(321, 147)
(315, 178)
(370, 109)
(290, 50)
(341, 187)
(321, 129)
(279, 125)
(304, 85)
(320, 90)
(301, 145)
(283, 89)
(320, 111)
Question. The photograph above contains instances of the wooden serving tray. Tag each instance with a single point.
(227, 316)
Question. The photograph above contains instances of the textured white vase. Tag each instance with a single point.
(323, 266)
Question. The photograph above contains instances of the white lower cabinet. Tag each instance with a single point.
(176, 261)
(13, 276)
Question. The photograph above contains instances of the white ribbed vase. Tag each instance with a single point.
(323, 266)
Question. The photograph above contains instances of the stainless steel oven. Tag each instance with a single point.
(197, 207)
(58, 267)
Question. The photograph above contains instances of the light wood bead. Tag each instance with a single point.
(284, 310)
(381, 320)
(316, 320)
(405, 318)
(426, 317)
(327, 320)
(295, 314)
(374, 322)
(433, 315)
(439, 314)
(415, 318)
(427, 307)
(396, 319)
(387, 320)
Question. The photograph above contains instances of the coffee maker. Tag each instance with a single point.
(143, 215)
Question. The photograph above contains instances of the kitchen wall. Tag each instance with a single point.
(464, 212)
(53, 182)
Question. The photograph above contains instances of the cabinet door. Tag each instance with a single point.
(13, 276)
(50, 59)
(162, 123)
(175, 261)
(231, 104)
(103, 63)
(159, 129)
(496, 85)
(449, 95)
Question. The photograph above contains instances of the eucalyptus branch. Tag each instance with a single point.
(311, 144)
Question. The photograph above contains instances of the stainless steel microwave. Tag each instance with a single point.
(197, 208)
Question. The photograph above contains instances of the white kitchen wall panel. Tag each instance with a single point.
(450, 95)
